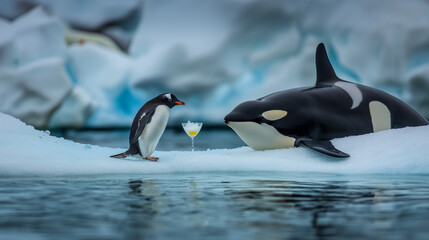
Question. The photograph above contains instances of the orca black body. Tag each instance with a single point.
(312, 116)
(149, 125)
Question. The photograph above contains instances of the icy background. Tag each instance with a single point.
(94, 63)
(29, 152)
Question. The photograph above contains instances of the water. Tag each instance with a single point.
(212, 205)
(251, 205)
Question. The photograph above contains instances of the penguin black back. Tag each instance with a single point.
(143, 118)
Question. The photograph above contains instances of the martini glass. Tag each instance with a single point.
(192, 129)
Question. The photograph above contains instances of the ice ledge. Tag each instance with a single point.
(25, 151)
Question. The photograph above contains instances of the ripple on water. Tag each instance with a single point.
(215, 205)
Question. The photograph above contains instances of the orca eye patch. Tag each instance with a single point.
(274, 115)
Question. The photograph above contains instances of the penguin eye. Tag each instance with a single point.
(168, 96)
(274, 115)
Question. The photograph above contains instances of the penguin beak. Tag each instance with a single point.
(180, 103)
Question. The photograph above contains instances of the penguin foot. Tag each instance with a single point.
(120, 155)
(153, 159)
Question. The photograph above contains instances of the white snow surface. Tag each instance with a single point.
(25, 151)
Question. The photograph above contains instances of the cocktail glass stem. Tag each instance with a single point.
(192, 144)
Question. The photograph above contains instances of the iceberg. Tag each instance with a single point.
(112, 18)
(211, 54)
(259, 47)
(103, 75)
(25, 151)
(34, 81)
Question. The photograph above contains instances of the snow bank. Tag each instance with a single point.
(25, 151)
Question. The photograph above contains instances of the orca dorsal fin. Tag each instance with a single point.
(325, 71)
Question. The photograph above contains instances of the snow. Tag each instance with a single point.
(25, 151)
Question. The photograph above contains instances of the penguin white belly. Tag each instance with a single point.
(154, 130)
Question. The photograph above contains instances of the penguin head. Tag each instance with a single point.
(169, 99)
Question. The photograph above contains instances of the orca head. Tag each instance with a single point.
(253, 122)
(249, 111)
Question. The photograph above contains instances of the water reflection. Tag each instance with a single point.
(331, 208)
(214, 206)
(165, 205)
(290, 205)
(150, 195)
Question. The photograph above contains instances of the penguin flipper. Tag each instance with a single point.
(324, 146)
(145, 119)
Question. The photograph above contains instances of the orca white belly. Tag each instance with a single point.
(261, 136)
(153, 131)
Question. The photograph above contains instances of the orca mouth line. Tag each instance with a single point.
(229, 121)
(258, 121)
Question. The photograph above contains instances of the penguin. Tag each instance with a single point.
(312, 116)
(149, 125)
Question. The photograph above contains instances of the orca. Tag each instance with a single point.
(312, 116)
